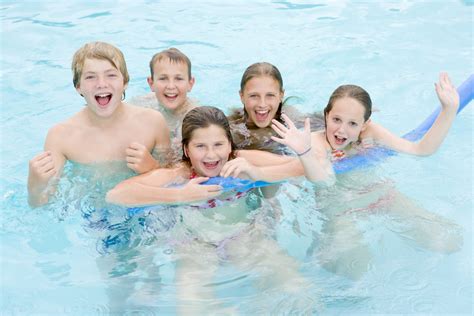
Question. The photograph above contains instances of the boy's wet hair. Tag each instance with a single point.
(354, 92)
(202, 117)
(101, 51)
(263, 69)
(174, 55)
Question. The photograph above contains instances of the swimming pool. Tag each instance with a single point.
(395, 49)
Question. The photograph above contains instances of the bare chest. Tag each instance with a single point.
(95, 145)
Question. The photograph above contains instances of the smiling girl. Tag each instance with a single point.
(349, 130)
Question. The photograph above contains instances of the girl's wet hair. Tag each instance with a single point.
(354, 92)
(202, 117)
(263, 69)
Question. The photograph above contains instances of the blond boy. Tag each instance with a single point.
(106, 129)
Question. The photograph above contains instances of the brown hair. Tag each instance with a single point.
(202, 117)
(174, 55)
(354, 92)
(263, 69)
(102, 51)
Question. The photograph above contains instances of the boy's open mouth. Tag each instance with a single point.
(103, 99)
(171, 96)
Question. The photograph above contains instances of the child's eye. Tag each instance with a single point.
(353, 124)
(89, 77)
(218, 144)
(336, 119)
(112, 75)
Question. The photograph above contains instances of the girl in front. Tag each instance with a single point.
(233, 227)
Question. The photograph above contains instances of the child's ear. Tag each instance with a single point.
(150, 82)
(241, 97)
(364, 126)
(78, 89)
(191, 83)
(185, 151)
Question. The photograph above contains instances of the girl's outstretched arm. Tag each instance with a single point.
(311, 153)
(449, 99)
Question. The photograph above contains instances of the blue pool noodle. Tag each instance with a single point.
(369, 157)
(374, 155)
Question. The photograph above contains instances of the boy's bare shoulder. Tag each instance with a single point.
(69, 125)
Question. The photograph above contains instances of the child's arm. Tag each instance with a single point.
(148, 189)
(310, 151)
(138, 157)
(449, 99)
(252, 164)
(44, 167)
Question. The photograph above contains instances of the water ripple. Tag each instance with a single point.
(95, 15)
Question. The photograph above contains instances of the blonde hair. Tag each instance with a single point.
(102, 51)
(174, 55)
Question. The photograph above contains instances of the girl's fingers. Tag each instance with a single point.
(279, 125)
(198, 180)
(278, 131)
(307, 125)
(214, 188)
(288, 121)
(278, 140)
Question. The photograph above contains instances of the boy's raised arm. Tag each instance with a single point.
(44, 167)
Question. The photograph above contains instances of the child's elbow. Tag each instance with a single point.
(114, 197)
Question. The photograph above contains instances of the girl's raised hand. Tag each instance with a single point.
(447, 93)
(297, 140)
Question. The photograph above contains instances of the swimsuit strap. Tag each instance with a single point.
(193, 174)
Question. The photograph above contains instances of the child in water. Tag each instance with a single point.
(349, 130)
(262, 95)
(224, 229)
(170, 82)
(96, 133)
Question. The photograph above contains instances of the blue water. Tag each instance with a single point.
(51, 257)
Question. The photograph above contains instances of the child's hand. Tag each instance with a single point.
(139, 158)
(41, 170)
(195, 191)
(447, 93)
(297, 140)
(240, 167)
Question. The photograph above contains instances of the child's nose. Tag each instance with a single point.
(211, 153)
(101, 82)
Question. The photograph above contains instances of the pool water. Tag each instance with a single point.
(396, 238)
